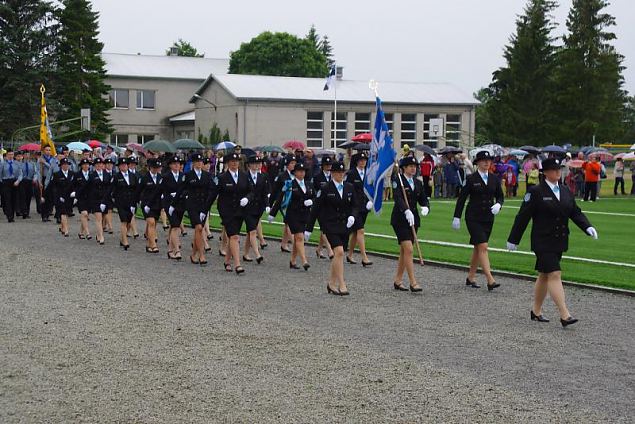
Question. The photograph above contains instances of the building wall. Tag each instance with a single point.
(171, 98)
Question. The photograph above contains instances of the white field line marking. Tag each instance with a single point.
(631, 215)
(493, 249)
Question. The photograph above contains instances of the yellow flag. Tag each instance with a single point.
(46, 137)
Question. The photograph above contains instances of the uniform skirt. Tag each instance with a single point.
(176, 218)
(404, 233)
(232, 224)
(251, 221)
(125, 215)
(64, 208)
(360, 221)
(154, 213)
(83, 206)
(547, 262)
(296, 224)
(195, 217)
(337, 239)
(479, 231)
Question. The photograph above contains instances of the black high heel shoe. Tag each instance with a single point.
(202, 263)
(208, 249)
(220, 253)
(568, 321)
(399, 287)
(319, 254)
(135, 236)
(263, 245)
(293, 266)
(329, 290)
(246, 259)
(194, 262)
(259, 260)
(539, 318)
(306, 266)
(471, 284)
(344, 293)
(350, 261)
(101, 242)
(416, 289)
(239, 270)
(284, 249)
(125, 246)
(365, 264)
(210, 236)
(491, 287)
(89, 237)
(81, 236)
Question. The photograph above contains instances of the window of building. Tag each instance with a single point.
(408, 129)
(338, 128)
(119, 139)
(146, 99)
(429, 139)
(453, 130)
(144, 138)
(314, 129)
(185, 134)
(120, 98)
(362, 123)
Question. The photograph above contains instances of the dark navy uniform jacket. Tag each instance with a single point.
(333, 211)
(482, 197)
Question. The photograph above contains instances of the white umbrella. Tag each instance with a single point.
(633, 147)
(78, 146)
(225, 145)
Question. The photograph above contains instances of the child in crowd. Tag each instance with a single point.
(510, 182)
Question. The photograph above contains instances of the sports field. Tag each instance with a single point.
(608, 261)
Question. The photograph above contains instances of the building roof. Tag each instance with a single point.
(181, 117)
(168, 67)
(260, 87)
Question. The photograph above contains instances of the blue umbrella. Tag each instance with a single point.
(518, 152)
(554, 149)
(78, 146)
(224, 145)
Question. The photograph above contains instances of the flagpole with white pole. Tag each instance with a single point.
(335, 110)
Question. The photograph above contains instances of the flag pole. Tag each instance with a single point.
(335, 110)
(373, 86)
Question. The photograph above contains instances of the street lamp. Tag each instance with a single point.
(205, 100)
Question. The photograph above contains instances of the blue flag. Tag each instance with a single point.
(381, 160)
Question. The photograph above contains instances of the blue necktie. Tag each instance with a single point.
(340, 187)
(411, 182)
(485, 178)
(11, 168)
(301, 183)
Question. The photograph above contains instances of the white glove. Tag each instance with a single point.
(72, 195)
(201, 216)
(74, 201)
(62, 199)
(307, 235)
(308, 203)
(425, 210)
(42, 200)
(270, 219)
(409, 217)
(243, 202)
(369, 205)
(592, 232)
(170, 210)
(161, 197)
(267, 210)
(456, 224)
(173, 194)
(511, 246)
(146, 209)
(102, 207)
(350, 221)
(496, 208)
(132, 209)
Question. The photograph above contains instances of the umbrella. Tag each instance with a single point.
(629, 156)
(247, 152)
(78, 146)
(94, 143)
(473, 152)
(450, 149)
(271, 149)
(425, 149)
(554, 149)
(632, 147)
(225, 145)
(361, 146)
(188, 144)
(575, 163)
(531, 150)
(136, 147)
(159, 146)
(518, 152)
(363, 138)
(30, 147)
(495, 149)
(324, 152)
(294, 145)
(604, 156)
(347, 145)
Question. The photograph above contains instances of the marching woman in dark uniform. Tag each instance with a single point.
(298, 199)
(132, 170)
(356, 177)
(82, 193)
(320, 180)
(173, 184)
(550, 204)
(109, 165)
(234, 194)
(286, 174)
(335, 209)
(403, 219)
(486, 199)
(62, 185)
(254, 210)
(99, 194)
(207, 234)
(125, 190)
(150, 201)
(200, 193)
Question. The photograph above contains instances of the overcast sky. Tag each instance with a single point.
(456, 41)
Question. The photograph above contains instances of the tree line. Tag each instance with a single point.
(556, 90)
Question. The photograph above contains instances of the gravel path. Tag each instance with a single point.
(90, 333)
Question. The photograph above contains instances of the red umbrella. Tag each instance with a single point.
(575, 163)
(30, 147)
(135, 147)
(363, 138)
(94, 143)
(294, 145)
(604, 156)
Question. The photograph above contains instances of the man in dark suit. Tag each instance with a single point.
(550, 204)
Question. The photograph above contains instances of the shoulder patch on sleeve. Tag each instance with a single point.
(527, 197)
(394, 184)
(319, 193)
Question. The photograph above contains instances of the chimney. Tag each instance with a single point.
(174, 51)
(339, 72)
